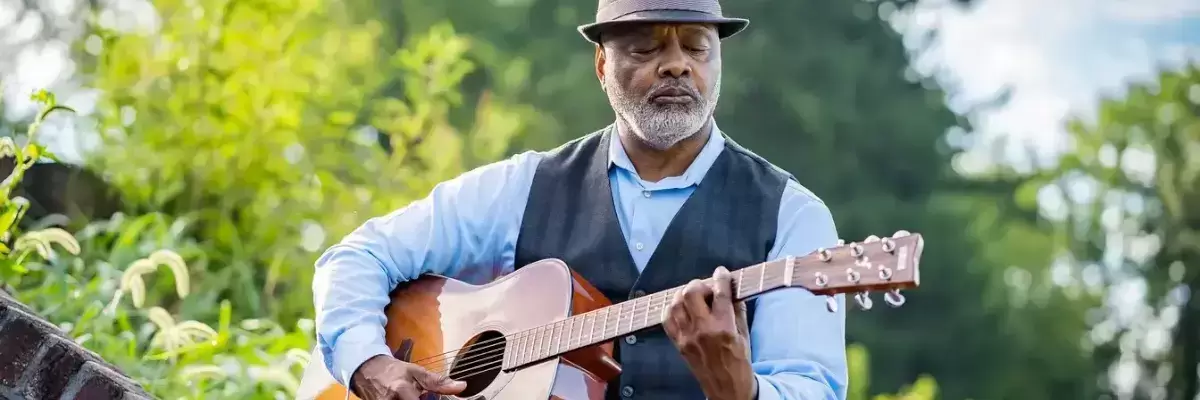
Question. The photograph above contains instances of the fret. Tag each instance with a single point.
(555, 329)
(650, 300)
(592, 330)
(632, 306)
(761, 276)
(604, 321)
(541, 343)
(570, 332)
(521, 339)
(615, 323)
(615, 316)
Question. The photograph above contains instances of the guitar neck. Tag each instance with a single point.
(621, 319)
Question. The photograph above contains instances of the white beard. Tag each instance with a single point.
(660, 126)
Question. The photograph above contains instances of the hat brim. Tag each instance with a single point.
(726, 27)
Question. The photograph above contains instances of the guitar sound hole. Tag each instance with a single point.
(479, 362)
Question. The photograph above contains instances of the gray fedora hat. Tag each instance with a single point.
(616, 12)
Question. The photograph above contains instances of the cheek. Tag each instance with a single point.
(635, 79)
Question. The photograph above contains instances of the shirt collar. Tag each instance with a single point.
(694, 173)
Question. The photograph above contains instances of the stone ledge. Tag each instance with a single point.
(38, 362)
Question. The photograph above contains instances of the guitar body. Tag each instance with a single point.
(431, 319)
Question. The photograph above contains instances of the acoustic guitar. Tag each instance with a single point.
(543, 332)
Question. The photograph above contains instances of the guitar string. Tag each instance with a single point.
(489, 365)
(489, 351)
(524, 333)
(486, 367)
(486, 357)
(491, 343)
(529, 332)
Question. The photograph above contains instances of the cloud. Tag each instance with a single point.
(1059, 57)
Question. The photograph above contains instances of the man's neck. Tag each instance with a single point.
(653, 164)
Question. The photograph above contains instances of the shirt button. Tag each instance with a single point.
(627, 391)
(639, 246)
(631, 340)
(646, 194)
(639, 293)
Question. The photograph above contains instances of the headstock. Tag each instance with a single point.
(888, 264)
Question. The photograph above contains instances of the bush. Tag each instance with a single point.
(93, 285)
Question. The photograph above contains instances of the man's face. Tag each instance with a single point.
(663, 80)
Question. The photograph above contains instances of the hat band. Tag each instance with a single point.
(619, 8)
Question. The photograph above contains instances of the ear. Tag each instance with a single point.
(600, 60)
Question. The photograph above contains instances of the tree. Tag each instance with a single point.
(1124, 198)
(261, 121)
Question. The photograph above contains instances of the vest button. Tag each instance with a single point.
(631, 339)
(627, 391)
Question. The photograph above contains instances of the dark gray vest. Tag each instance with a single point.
(729, 220)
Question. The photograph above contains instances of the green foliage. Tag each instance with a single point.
(81, 291)
(1123, 201)
(278, 127)
(858, 364)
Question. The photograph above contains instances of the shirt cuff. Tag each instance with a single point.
(766, 391)
(354, 347)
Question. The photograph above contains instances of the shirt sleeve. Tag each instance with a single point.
(798, 347)
(465, 228)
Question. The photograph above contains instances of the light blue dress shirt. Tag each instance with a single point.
(467, 229)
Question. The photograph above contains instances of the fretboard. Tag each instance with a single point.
(627, 317)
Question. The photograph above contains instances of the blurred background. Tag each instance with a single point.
(1049, 151)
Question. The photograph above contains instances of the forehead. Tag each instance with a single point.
(653, 30)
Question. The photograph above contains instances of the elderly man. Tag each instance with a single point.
(655, 200)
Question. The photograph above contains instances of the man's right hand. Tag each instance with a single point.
(387, 378)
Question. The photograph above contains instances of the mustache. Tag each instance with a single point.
(674, 87)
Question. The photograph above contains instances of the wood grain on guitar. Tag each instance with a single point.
(543, 332)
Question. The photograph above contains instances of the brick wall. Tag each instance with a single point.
(38, 362)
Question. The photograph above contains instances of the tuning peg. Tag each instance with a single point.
(841, 242)
(831, 303)
(856, 250)
(871, 239)
(889, 245)
(901, 233)
(893, 298)
(824, 254)
(864, 300)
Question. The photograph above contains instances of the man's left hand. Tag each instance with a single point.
(713, 339)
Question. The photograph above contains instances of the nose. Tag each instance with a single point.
(674, 63)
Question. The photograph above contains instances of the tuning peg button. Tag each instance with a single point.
(893, 298)
(901, 233)
(871, 238)
(864, 301)
(831, 304)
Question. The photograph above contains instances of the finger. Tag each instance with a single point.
(695, 299)
(722, 305)
(677, 312)
(435, 383)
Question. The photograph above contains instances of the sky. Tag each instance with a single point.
(1059, 57)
